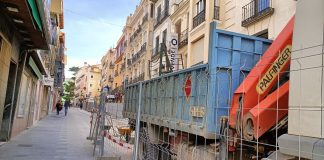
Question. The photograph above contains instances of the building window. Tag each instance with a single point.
(164, 36)
(90, 85)
(158, 13)
(157, 45)
(91, 76)
(152, 8)
(262, 34)
(200, 6)
(216, 9)
(200, 13)
(166, 5)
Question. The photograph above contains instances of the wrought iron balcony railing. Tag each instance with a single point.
(123, 66)
(119, 89)
(183, 38)
(111, 66)
(137, 79)
(255, 11)
(155, 51)
(135, 58)
(198, 19)
(111, 79)
(138, 30)
(161, 17)
(143, 47)
(139, 53)
(129, 61)
(145, 18)
(135, 34)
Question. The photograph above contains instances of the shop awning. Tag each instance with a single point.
(34, 67)
(35, 13)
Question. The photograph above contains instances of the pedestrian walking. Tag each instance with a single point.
(66, 107)
(59, 107)
(81, 105)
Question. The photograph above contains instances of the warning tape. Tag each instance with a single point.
(120, 143)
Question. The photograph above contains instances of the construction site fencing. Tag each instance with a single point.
(109, 131)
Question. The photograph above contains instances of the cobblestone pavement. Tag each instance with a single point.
(58, 138)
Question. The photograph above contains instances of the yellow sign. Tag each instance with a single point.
(197, 111)
(274, 70)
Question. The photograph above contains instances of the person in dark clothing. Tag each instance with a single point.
(66, 107)
(58, 107)
(81, 105)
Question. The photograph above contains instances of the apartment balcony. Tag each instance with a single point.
(141, 77)
(111, 66)
(183, 38)
(135, 34)
(161, 17)
(216, 12)
(155, 51)
(255, 11)
(135, 58)
(139, 29)
(111, 79)
(139, 53)
(131, 38)
(119, 89)
(143, 48)
(145, 19)
(198, 19)
(129, 62)
(123, 66)
(137, 79)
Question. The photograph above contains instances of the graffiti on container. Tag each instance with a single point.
(274, 70)
(197, 111)
(187, 87)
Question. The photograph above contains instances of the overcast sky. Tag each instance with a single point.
(92, 27)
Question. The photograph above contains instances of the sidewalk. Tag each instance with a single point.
(53, 138)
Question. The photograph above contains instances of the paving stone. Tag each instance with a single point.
(57, 138)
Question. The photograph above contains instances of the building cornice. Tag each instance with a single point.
(182, 6)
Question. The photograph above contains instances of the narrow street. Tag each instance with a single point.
(58, 138)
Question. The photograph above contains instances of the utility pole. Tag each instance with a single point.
(102, 110)
(137, 129)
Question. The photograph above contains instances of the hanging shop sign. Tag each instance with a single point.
(47, 81)
(174, 43)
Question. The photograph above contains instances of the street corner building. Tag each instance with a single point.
(32, 49)
(87, 86)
